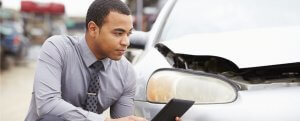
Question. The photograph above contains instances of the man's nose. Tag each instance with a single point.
(125, 41)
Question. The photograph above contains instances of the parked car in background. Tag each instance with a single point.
(13, 43)
(12, 40)
(238, 60)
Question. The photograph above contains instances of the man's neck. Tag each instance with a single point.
(92, 46)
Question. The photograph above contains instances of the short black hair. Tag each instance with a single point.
(99, 9)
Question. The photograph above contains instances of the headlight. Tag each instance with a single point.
(166, 84)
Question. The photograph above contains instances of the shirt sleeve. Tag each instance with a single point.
(47, 86)
(125, 105)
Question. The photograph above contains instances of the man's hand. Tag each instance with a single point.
(178, 119)
(128, 118)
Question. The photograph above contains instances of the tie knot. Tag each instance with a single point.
(97, 65)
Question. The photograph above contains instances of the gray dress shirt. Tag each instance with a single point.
(62, 77)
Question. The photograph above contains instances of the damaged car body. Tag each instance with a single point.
(238, 60)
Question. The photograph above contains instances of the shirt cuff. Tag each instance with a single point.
(95, 117)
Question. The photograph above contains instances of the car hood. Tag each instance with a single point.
(246, 48)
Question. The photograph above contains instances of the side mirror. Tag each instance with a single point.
(201, 87)
(138, 39)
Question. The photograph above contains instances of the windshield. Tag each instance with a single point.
(7, 29)
(213, 16)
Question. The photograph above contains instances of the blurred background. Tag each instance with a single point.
(26, 24)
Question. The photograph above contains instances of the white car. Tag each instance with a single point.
(237, 59)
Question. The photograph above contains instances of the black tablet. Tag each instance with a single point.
(174, 108)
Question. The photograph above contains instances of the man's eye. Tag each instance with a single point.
(118, 34)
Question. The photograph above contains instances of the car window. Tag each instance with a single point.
(7, 30)
(211, 16)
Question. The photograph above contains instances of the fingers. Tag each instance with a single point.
(178, 119)
(135, 118)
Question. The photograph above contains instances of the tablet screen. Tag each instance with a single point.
(174, 108)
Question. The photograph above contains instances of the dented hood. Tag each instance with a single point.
(246, 48)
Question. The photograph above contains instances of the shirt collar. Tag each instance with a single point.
(106, 62)
(87, 55)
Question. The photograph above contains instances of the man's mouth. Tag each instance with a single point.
(121, 52)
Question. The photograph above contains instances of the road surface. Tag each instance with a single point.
(15, 91)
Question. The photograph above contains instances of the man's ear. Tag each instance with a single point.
(92, 29)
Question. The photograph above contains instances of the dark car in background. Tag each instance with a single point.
(11, 39)
(238, 60)
(14, 44)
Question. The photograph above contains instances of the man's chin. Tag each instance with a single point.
(116, 58)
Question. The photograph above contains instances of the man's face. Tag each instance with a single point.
(112, 39)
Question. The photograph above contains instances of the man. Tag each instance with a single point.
(77, 78)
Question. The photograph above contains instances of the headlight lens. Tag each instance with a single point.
(164, 85)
